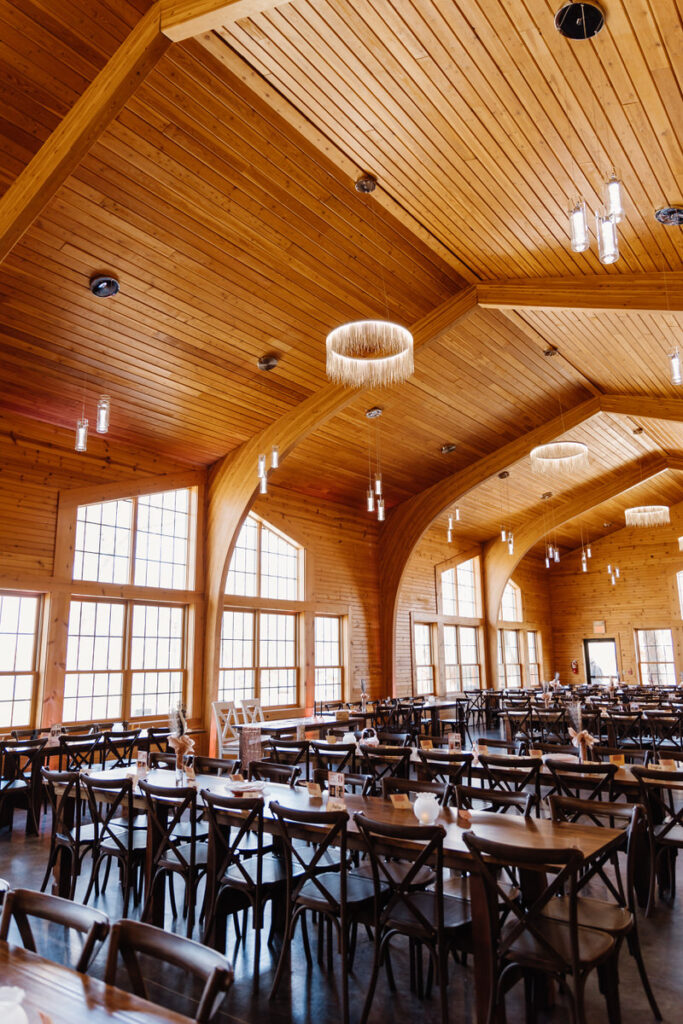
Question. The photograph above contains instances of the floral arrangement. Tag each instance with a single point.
(179, 740)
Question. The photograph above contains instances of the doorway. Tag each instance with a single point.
(601, 660)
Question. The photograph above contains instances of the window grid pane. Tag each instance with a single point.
(243, 572)
(511, 603)
(93, 683)
(161, 546)
(237, 658)
(459, 590)
(279, 567)
(18, 644)
(103, 535)
(277, 658)
(157, 659)
(656, 654)
(424, 665)
(448, 592)
(328, 666)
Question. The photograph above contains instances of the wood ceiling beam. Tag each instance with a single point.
(499, 564)
(643, 407)
(628, 292)
(233, 481)
(61, 153)
(183, 19)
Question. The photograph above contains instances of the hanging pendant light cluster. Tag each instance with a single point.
(614, 573)
(453, 517)
(263, 470)
(374, 498)
(586, 553)
(647, 515)
(606, 220)
(101, 423)
(552, 551)
(506, 534)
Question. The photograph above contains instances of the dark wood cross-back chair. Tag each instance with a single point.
(115, 835)
(591, 780)
(70, 838)
(660, 795)
(172, 821)
(353, 781)
(19, 780)
(402, 907)
(444, 765)
(289, 752)
(340, 898)
(512, 774)
(384, 762)
(525, 939)
(615, 911)
(218, 766)
(441, 790)
(499, 801)
(77, 752)
(624, 730)
(333, 757)
(267, 771)
(21, 904)
(129, 939)
(665, 731)
(118, 748)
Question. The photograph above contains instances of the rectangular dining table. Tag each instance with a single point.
(533, 833)
(55, 994)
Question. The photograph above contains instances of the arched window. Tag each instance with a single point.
(265, 563)
(511, 603)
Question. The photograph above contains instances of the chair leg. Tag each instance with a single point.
(304, 936)
(443, 980)
(611, 989)
(52, 859)
(284, 952)
(97, 861)
(636, 952)
(367, 1006)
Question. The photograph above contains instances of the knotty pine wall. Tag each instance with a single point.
(341, 573)
(645, 597)
(418, 594)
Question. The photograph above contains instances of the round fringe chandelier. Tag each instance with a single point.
(647, 515)
(559, 457)
(369, 353)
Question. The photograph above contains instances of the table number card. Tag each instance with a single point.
(482, 748)
(54, 735)
(141, 765)
(314, 790)
(535, 752)
(236, 777)
(251, 746)
(334, 804)
(426, 745)
(335, 785)
(617, 759)
(668, 764)
(401, 801)
(454, 741)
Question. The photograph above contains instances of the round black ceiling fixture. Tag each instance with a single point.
(103, 285)
(448, 448)
(367, 183)
(373, 413)
(672, 216)
(267, 362)
(579, 21)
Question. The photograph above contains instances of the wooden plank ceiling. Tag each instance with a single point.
(234, 235)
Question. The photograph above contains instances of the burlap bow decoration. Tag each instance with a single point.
(182, 745)
(582, 740)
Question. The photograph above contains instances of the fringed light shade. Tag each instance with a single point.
(369, 353)
(559, 457)
(647, 515)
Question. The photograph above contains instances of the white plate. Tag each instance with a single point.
(246, 787)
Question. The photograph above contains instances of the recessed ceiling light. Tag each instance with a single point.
(552, 351)
(638, 430)
(103, 285)
(579, 21)
(446, 449)
(373, 413)
(504, 475)
(366, 184)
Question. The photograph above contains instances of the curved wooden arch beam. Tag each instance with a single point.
(409, 521)
(627, 292)
(232, 482)
(499, 565)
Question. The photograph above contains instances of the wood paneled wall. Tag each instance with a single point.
(341, 573)
(37, 461)
(645, 596)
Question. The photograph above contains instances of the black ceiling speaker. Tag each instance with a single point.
(579, 21)
(268, 362)
(672, 216)
(103, 285)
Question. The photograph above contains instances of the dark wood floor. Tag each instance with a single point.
(310, 995)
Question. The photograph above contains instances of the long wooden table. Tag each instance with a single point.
(57, 995)
(533, 833)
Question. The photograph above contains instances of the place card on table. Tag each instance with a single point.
(336, 785)
(454, 741)
(141, 765)
(535, 752)
(54, 735)
(236, 777)
(668, 764)
(401, 801)
(314, 790)
(617, 759)
(482, 748)
(334, 804)
(426, 745)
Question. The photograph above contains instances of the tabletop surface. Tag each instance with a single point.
(532, 833)
(57, 995)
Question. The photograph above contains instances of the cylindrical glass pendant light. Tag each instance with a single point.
(608, 239)
(547, 562)
(589, 553)
(609, 568)
(378, 485)
(578, 227)
(511, 543)
(371, 500)
(263, 485)
(261, 466)
(614, 206)
(449, 536)
(557, 554)
(676, 375)
(457, 514)
(503, 534)
(275, 457)
(81, 435)
(103, 406)
(380, 510)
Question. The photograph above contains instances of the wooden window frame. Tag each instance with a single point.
(502, 663)
(343, 673)
(432, 624)
(641, 663)
(35, 673)
(458, 626)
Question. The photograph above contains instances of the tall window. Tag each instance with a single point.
(259, 657)
(534, 652)
(509, 664)
(656, 656)
(328, 658)
(260, 646)
(425, 675)
(459, 590)
(511, 603)
(143, 540)
(123, 660)
(264, 564)
(461, 657)
(19, 624)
